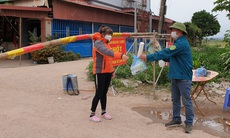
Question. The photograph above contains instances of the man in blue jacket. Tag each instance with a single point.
(180, 72)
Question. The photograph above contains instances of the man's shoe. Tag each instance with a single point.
(173, 124)
(188, 128)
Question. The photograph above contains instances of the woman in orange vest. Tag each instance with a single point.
(103, 69)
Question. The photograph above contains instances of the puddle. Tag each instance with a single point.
(214, 125)
(163, 115)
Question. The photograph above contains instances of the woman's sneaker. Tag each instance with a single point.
(173, 124)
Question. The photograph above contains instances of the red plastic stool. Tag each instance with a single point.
(227, 99)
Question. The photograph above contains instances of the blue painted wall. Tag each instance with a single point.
(66, 28)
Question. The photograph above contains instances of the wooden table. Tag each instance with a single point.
(201, 82)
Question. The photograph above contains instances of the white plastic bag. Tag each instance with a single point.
(137, 66)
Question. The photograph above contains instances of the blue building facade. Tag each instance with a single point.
(65, 28)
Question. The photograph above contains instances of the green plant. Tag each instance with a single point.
(227, 38)
(8, 3)
(210, 57)
(41, 56)
(225, 57)
(33, 38)
(89, 69)
(196, 63)
(117, 82)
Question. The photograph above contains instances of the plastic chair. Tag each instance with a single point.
(227, 99)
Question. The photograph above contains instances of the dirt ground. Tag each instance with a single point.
(33, 105)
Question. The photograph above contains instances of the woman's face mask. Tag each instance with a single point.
(108, 37)
(174, 35)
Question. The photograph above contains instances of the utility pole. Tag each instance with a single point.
(162, 14)
(135, 26)
(20, 38)
(150, 17)
(160, 26)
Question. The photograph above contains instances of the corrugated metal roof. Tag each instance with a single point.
(10, 7)
(6, 0)
(25, 12)
(94, 6)
(125, 11)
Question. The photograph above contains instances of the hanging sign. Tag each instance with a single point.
(118, 45)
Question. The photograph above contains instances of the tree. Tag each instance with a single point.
(194, 33)
(222, 5)
(206, 22)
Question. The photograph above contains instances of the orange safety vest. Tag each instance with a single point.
(103, 55)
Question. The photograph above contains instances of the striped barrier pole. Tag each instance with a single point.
(65, 40)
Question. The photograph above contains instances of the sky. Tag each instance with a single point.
(183, 10)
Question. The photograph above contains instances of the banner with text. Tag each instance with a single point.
(118, 45)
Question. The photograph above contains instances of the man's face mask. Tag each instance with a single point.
(108, 37)
(174, 35)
